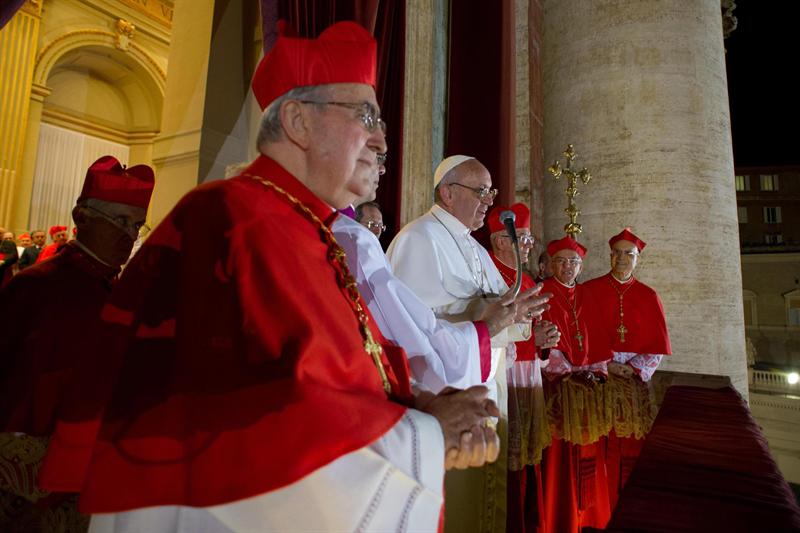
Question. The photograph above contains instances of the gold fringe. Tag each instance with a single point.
(578, 414)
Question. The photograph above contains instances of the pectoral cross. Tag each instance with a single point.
(579, 338)
(374, 350)
(622, 331)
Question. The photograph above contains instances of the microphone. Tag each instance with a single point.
(508, 218)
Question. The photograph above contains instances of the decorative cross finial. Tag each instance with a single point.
(572, 211)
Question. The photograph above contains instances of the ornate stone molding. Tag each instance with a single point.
(50, 54)
(729, 22)
(125, 32)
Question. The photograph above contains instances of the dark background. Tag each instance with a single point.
(763, 64)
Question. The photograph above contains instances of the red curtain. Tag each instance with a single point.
(7, 10)
(481, 91)
(386, 20)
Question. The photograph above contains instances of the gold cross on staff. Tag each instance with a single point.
(622, 331)
(572, 211)
(579, 338)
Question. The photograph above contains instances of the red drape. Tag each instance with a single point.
(386, 20)
(7, 10)
(481, 91)
(705, 466)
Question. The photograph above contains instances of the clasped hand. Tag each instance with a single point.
(463, 414)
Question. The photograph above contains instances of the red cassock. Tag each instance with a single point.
(526, 351)
(566, 308)
(47, 252)
(235, 354)
(643, 318)
(46, 314)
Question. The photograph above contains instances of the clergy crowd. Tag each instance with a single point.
(260, 364)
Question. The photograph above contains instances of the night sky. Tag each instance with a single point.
(762, 61)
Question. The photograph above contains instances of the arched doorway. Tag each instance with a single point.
(102, 100)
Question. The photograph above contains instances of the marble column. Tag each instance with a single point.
(639, 87)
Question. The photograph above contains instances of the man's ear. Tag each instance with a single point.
(446, 194)
(296, 122)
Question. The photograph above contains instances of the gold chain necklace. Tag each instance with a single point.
(571, 305)
(346, 280)
(621, 329)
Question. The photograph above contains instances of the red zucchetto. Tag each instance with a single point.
(627, 235)
(523, 220)
(109, 181)
(344, 53)
(56, 229)
(565, 243)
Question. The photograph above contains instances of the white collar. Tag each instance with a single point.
(450, 222)
(574, 283)
(621, 282)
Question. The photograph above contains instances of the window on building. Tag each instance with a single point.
(742, 183)
(742, 214)
(772, 215)
(773, 238)
(769, 182)
(792, 307)
(750, 309)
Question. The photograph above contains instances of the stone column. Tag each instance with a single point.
(639, 87)
(420, 114)
(17, 52)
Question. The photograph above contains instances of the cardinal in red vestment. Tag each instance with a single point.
(526, 408)
(630, 325)
(50, 312)
(243, 383)
(58, 234)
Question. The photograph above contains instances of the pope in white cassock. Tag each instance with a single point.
(440, 353)
(436, 256)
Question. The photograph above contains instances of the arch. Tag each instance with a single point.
(50, 54)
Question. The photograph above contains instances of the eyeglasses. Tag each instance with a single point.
(483, 192)
(367, 113)
(382, 158)
(371, 224)
(564, 261)
(124, 223)
(526, 240)
(619, 254)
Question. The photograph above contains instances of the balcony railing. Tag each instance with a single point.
(771, 381)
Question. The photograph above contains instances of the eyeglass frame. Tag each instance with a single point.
(483, 192)
(522, 238)
(370, 116)
(124, 226)
(374, 223)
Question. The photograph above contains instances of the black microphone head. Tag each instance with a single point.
(508, 218)
(508, 215)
